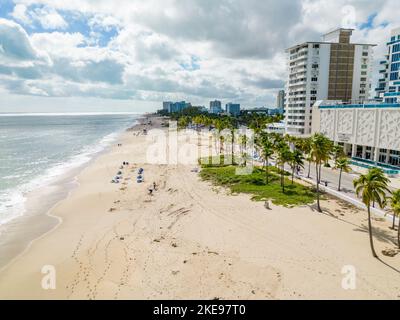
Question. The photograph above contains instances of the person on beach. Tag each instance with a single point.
(154, 186)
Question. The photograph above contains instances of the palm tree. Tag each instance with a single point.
(267, 150)
(297, 161)
(306, 147)
(231, 124)
(197, 120)
(284, 155)
(320, 152)
(337, 152)
(395, 205)
(257, 122)
(243, 147)
(343, 164)
(220, 126)
(372, 187)
(183, 122)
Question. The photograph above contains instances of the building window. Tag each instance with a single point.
(382, 158)
(359, 152)
(396, 57)
(395, 67)
(316, 46)
(394, 161)
(314, 79)
(394, 76)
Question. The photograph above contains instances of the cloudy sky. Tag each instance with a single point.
(130, 55)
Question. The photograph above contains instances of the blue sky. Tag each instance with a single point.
(76, 22)
(142, 52)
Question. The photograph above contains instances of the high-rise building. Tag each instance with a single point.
(280, 100)
(175, 106)
(333, 69)
(166, 105)
(388, 89)
(215, 107)
(232, 109)
(368, 131)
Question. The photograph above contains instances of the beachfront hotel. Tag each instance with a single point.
(388, 89)
(333, 69)
(369, 131)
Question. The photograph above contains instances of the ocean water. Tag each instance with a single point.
(36, 149)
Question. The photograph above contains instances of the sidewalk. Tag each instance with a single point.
(354, 201)
(350, 197)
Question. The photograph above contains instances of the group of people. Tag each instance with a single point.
(152, 188)
(118, 177)
(139, 178)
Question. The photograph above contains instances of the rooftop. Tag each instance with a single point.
(369, 104)
(340, 35)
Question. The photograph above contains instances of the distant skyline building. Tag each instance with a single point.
(280, 100)
(332, 69)
(166, 105)
(232, 109)
(172, 107)
(264, 110)
(215, 107)
(388, 89)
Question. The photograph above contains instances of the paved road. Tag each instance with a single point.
(332, 177)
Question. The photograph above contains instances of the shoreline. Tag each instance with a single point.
(190, 240)
(13, 234)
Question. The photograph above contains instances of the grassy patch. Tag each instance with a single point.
(254, 184)
(217, 161)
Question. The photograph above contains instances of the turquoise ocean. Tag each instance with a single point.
(37, 149)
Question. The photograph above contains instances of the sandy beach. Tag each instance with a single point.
(190, 240)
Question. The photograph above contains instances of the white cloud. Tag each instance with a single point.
(20, 14)
(193, 49)
(49, 18)
(58, 43)
(16, 48)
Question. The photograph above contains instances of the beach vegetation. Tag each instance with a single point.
(372, 188)
(255, 184)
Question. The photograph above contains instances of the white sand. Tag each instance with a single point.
(193, 241)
